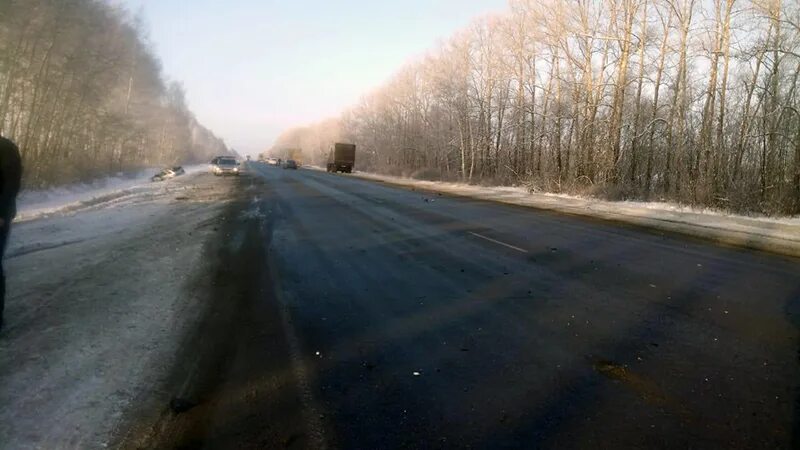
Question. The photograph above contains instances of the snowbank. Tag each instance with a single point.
(777, 235)
(101, 301)
(108, 190)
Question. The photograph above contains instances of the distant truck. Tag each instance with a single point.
(341, 158)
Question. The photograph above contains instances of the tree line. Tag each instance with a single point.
(82, 94)
(693, 101)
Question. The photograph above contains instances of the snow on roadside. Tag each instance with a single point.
(775, 234)
(108, 191)
(590, 202)
(99, 304)
(522, 192)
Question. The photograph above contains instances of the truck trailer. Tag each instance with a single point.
(341, 157)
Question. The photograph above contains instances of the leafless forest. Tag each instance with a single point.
(693, 101)
(82, 94)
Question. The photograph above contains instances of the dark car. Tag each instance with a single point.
(290, 164)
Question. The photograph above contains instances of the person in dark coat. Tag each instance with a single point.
(10, 176)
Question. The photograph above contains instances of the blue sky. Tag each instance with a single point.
(254, 68)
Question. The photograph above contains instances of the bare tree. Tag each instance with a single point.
(686, 100)
(82, 94)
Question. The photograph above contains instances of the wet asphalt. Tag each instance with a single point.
(345, 313)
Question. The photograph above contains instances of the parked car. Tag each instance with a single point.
(225, 165)
(290, 164)
(169, 172)
(272, 161)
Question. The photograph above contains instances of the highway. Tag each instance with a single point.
(301, 309)
(370, 316)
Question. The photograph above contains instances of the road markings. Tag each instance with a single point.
(512, 247)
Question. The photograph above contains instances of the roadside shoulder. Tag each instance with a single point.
(780, 236)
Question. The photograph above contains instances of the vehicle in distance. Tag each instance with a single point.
(341, 157)
(290, 164)
(272, 161)
(170, 172)
(224, 165)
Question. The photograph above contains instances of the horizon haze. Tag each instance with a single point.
(267, 66)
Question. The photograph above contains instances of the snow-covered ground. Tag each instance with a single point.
(779, 235)
(98, 299)
(116, 189)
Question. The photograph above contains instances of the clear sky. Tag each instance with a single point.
(253, 68)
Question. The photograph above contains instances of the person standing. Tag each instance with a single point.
(10, 177)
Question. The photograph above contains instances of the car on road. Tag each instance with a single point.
(166, 174)
(225, 165)
(272, 161)
(290, 164)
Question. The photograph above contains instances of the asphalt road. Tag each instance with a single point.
(343, 313)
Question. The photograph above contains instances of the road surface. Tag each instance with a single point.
(316, 310)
